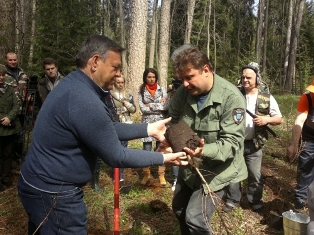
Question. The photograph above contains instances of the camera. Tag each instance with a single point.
(33, 82)
(176, 83)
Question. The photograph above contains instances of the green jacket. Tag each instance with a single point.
(9, 107)
(216, 122)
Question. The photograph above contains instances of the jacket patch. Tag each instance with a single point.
(238, 115)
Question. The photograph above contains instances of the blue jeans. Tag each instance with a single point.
(253, 161)
(149, 145)
(305, 171)
(193, 208)
(62, 212)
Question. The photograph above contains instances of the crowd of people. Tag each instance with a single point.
(69, 145)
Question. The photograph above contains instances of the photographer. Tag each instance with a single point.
(10, 126)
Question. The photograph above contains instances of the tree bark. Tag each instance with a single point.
(31, 48)
(287, 46)
(164, 43)
(137, 46)
(259, 33)
(153, 36)
(293, 49)
(122, 39)
(190, 14)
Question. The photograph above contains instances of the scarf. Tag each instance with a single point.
(152, 89)
(3, 88)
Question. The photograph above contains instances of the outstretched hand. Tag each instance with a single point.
(177, 159)
(158, 129)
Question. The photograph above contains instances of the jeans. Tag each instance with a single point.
(149, 145)
(61, 212)
(193, 208)
(175, 172)
(253, 161)
(305, 171)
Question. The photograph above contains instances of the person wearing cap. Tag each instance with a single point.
(302, 145)
(9, 127)
(264, 105)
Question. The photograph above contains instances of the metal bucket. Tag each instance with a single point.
(295, 223)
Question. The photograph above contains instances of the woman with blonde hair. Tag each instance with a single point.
(124, 104)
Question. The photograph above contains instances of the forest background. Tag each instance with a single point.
(278, 35)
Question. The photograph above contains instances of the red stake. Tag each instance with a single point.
(116, 211)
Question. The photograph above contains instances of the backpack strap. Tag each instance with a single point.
(309, 99)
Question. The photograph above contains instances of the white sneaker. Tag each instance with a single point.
(174, 185)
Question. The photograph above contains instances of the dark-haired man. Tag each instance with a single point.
(214, 109)
(50, 79)
(72, 129)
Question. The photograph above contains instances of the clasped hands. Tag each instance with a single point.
(5, 121)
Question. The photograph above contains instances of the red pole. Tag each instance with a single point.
(116, 211)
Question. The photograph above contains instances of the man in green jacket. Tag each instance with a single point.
(9, 127)
(215, 110)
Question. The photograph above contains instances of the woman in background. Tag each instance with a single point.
(124, 104)
(152, 101)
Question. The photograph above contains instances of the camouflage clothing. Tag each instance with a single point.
(262, 109)
(16, 78)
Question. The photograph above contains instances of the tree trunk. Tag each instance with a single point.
(137, 46)
(293, 49)
(190, 14)
(265, 41)
(208, 28)
(17, 31)
(31, 49)
(122, 39)
(259, 33)
(164, 43)
(287, 47)
(153, 36)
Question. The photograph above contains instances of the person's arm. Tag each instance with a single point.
(296, 134)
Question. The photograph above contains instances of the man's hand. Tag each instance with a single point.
(158, 129)
(198, 152)
(260, 121)
(177, 159)
(5, 121)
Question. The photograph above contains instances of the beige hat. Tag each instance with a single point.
(311, 87)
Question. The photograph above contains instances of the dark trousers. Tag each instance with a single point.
(253, 161)
(60, 212)
(305, 171)
(6, 156)
(193, 208)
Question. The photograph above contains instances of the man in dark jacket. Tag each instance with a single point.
(50, 79)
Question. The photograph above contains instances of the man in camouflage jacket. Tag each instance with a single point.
(15, 76)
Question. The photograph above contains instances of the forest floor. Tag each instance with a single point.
(147, 209)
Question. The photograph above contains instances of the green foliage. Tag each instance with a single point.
(61, 27)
